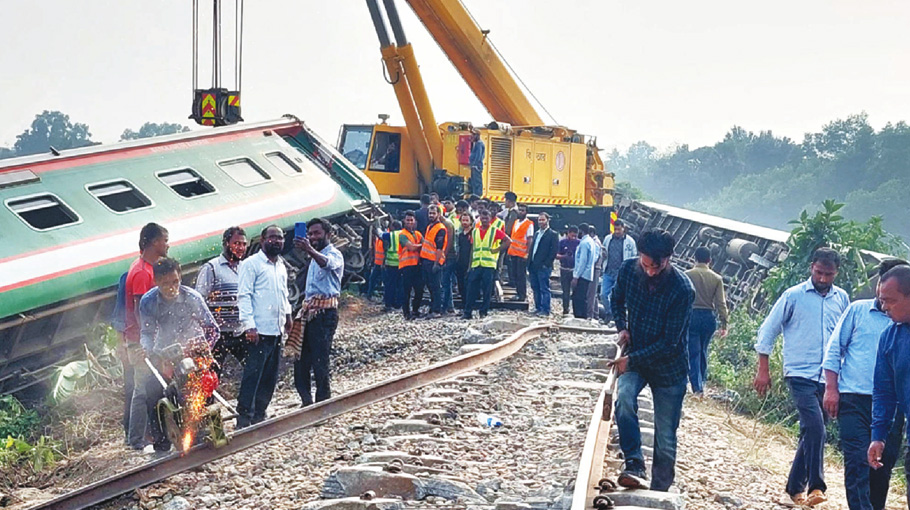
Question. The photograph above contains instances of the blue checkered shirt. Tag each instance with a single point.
(657, 320)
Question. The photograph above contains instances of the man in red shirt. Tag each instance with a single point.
(139, 280)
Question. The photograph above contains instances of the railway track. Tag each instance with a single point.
(161, 469)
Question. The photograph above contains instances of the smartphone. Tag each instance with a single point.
(300, 230)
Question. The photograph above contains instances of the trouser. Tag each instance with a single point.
(580, 298)
(260, 375)
(592, 294)
(228, 343)
(518, 269)
(391, 282)
(461, 278)
(606, 287)
(432, 276)
(565, 283)
(807, 473)
(476, 181)
(375, 280)
(667, 411)
(702, 325)
(154, 393)
(867, 488)
(412, 281)
(314, 356)
(540, 285)
(141, 407)
(480, 284)
(448, 281)
(128, 384)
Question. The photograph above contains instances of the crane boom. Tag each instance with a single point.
(467, 47)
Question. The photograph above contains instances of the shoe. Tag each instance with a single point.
(633, 475)
(450, 310)
(434, 315)
(483, 315)
(798, 499)
(816, 497)
(517, 298)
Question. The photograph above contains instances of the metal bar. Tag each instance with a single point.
(395, 21)
(379, 25)
(590, 468)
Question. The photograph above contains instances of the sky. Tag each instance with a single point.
(663, 71)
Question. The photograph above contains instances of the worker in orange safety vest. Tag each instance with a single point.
(408, 268)
(521, 235)
(433, 258)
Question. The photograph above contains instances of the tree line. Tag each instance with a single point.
(55, 129)
(767, 180)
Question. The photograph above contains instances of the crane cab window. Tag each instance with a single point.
(119, 196)
(186, 183)
(244, 171)
(355, 144)
(43, 212)
(283, 163)
(386, 152)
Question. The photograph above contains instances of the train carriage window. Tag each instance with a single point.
(283, 163)
(186, 183)
(244, 171)
(119, 196)
(43, 212)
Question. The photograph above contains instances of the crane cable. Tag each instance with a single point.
(509, 66)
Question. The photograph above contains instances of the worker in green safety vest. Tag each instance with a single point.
(391, 279)
(486, 242)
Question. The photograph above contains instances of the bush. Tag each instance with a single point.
(16, 421)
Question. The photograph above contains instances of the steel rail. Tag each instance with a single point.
(590, 468)
(175, 463)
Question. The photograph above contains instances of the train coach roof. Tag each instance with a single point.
(724, 223)
(37, 159)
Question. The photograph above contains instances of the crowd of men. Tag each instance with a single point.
(240, 305)
(843, 360)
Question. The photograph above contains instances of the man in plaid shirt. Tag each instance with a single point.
(651, 303)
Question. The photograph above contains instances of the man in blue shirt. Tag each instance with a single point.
(891, 388)
(849, 366)
(475, 160)
(170, 313)
(319, 312)
(806, 315)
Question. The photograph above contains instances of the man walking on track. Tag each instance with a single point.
(651, 301)
(891, 388)
(543, 252)
(709, 308)
(521, 233)
(849, 368)
(265, 313)
(806, 315)
(319, 313)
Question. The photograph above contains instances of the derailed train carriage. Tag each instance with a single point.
(69, 222)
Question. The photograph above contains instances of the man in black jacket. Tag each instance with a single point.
(543, 248)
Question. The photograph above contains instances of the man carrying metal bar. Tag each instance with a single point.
(651, 302)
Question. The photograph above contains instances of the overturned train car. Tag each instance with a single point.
(70, 221)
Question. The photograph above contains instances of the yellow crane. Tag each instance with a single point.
(550, 167)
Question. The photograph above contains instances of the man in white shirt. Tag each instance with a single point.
(265, 313)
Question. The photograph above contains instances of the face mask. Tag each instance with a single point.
(272, 250)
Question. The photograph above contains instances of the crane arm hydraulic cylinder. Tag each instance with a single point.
(466, 45)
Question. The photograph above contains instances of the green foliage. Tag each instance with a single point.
(36, 456)
(17, 421)
(100, 366)
(828, 228)
(768, 180)
(150, 129)
(52, 128)
(627, 189)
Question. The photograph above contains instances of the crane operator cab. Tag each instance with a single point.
(377, 150)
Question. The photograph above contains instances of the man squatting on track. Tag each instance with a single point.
(651, 303)
(806, 315)
(170, 313)
(849, 365)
